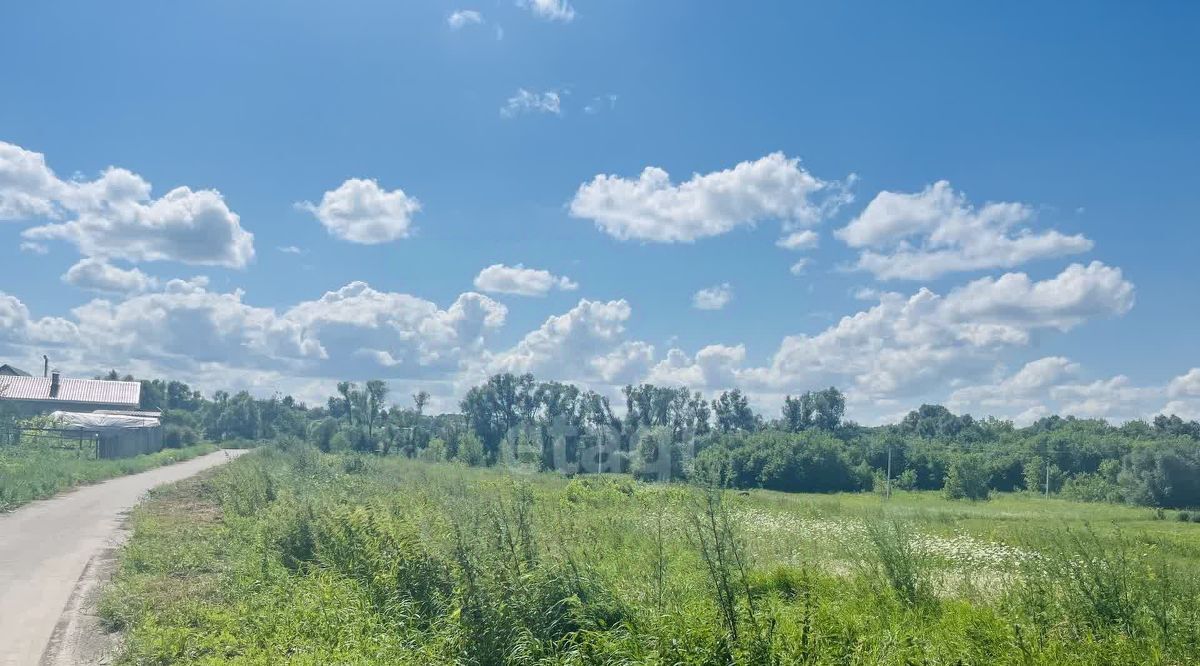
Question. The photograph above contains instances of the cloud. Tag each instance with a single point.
(1005, 307)
(927, 234)
(652, 208)
(806, 239)
(1051, 385)
(391, 331)
(1186, 385)
(714, 366)
(1021, 396)
(550, 10)
(360, 211)
(1184, 394)
(525, 102)
(521, 281)
(800, 266)
(28, 188)
(464, 17)
(187, 331)
(585, 344)
(34, 248)
(905, 345)
(1115, 399)
(17, 326)
(713, 298)
(114, 216)
(291, 249)
(97, 275)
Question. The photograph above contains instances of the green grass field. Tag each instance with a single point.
(303, 558)
(30, 472)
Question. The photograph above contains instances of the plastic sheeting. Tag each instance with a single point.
(102, 422)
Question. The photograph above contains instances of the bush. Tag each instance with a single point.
(470, 450)
(340, 442)
(435, 451)
(320, 433)
(178, 436)
(808, 461)
(1092, 488)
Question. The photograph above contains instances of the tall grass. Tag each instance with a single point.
(31, 472)
(300, 557)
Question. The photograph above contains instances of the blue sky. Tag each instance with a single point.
(1002, 198)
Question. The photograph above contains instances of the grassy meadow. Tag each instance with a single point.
(30, 471)
(293, 556)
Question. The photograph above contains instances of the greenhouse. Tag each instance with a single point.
(116, 435)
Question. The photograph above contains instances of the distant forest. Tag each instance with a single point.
(674, 434)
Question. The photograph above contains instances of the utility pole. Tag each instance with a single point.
(889, 473)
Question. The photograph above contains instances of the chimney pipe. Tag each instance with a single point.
(45, 365)
(54, 384)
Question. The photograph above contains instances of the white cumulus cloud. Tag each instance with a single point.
(98, 275)
(1186, 385)
(713, 298)
(115, 217)
(713, 367)
(586, 344)
(904, 345)
(652, 208)
(187, 330)
(805, 239)
(927, 234)
(521, 281)
(360, 211)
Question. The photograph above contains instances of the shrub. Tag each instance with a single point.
(1092, 488)
(808, 461)
(435, 451)
(320, 433)
(470, 450)
(178, 436)
(340, 442)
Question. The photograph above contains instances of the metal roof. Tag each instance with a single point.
(7, 369)
(96, 391)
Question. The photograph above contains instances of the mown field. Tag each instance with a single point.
(307, 558)
(32, 471)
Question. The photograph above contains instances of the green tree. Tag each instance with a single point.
(346, 390)
(733, 412)
(967, 478)
(377, 391)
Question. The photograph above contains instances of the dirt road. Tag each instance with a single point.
(46, 546)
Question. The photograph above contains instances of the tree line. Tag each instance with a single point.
(673, 433)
